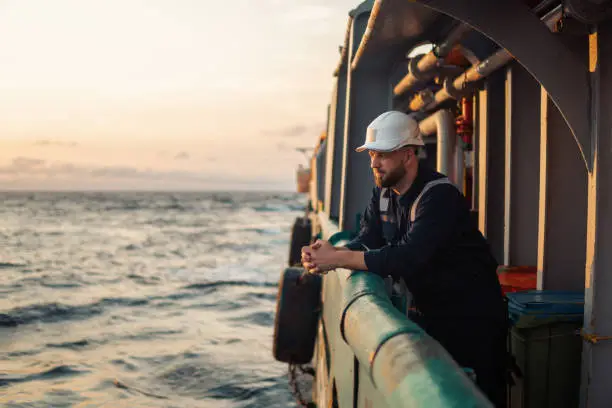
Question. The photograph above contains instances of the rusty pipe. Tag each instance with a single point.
(453, 88)
(424, 68)
(367, 34)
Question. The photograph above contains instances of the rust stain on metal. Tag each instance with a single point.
(367, 34)
(593, 52)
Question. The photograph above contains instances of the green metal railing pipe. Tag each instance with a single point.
(406, 365)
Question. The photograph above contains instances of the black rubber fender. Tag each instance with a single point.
(301, 235)
(298, 307)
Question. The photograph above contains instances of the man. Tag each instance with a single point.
(418, 229)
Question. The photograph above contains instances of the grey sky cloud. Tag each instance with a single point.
(26, 169)
(59, 143)
(181, 156)
(27, 166)
(288, 147)
(283, 147)
(25, 163)
(297, 131)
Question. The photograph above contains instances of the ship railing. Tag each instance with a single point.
(407, 366)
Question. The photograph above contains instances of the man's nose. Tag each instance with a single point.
(374, 162)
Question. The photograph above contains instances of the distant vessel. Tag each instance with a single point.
(304, 173)
(303, 179)
(513, 99)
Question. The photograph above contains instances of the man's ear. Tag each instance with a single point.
(408, 154)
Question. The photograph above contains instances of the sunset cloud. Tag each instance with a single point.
(216, 86)
(58, 143)
(25, 172)
(182, 156)
(26, 166)
(309, 132)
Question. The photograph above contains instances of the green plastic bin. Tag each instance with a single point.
(547, 346)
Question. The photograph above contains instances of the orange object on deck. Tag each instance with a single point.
(517, 278)
(303, 180)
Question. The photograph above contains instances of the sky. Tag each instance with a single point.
(163, 94)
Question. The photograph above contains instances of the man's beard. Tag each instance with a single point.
(390, 178)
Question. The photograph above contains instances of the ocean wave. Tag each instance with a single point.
(144, 280)
(51, 374)
(61, 285)
(10, 265)
(122, 385)
(202, 378)
(149, 334)
(217, 284)
(22, 353)
(115, 283)
(48, 312)
(265, 319)
(223, 199)
(218, 305)
(265, 231)
(56, 312)
(276, 208)
(72, 345)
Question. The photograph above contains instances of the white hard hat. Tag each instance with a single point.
(390, 131)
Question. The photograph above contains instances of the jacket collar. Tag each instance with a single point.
(424, 176)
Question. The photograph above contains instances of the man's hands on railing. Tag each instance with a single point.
(320, 257)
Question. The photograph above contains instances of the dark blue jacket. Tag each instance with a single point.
(443, 258)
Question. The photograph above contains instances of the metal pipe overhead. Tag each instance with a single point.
(454, 88)
(442, 123)
(424, 68)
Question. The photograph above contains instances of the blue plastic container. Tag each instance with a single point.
(536, 307)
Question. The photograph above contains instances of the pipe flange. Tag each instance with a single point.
(448, 72)
(422, 99)
(455, 93)
(414, 70)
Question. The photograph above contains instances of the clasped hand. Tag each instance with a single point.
(319, 257)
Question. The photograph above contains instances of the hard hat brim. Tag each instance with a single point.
(380, 146)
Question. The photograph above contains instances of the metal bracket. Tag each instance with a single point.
(413, 68)
(589, 11)
(455, 93)
(449, 71)
(539, 51)
(592, 337)
(440, 71)
(423, 98)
